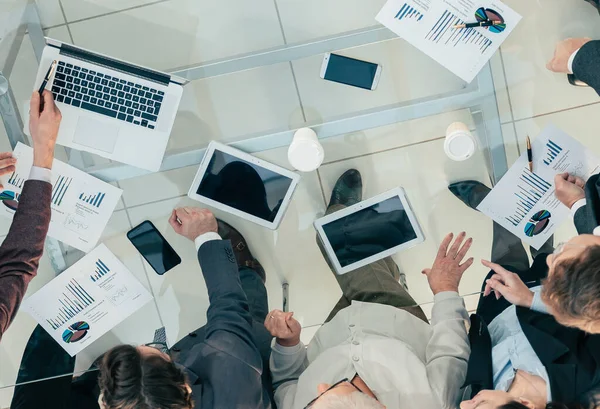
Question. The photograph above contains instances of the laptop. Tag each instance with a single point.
(109, 107)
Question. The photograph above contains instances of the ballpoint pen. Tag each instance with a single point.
(488, 23)
(529, 154)
(45, 82)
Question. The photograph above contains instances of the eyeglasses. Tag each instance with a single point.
(161, 346)
(335, 385)
(560, 247)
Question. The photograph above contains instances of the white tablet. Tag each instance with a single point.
(240, 184)
(369, 231)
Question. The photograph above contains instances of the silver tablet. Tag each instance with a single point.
(240, 184)
(369, 231)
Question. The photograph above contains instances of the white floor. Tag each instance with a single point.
(176, 33)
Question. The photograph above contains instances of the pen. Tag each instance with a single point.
(45, 82)
(488, 23)
(529, 154)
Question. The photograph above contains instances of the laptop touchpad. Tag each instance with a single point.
(101, 135)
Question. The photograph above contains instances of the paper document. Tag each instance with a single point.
(524, 202)
(81, 204)
(87, 300)
(428, 25)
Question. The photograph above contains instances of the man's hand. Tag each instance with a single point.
(192, 222)
(284, 327)
(446, 272)
(569, 189)
(564, 49)
(508, 285)
(43, 127)
(7, 164)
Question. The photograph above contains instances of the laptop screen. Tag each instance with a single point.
(244, 186)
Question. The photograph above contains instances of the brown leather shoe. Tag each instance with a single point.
(242, 253)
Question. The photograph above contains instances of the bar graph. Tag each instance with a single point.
(73, 300)
(409, 13)
(16, 180)
(93, 199)
(552, 152)
(101, 271)
(530, 189)
(60, 189)
(443, 33)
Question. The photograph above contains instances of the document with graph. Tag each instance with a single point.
(523, 202)
(81, 204)
(429, 25)
(87, 300)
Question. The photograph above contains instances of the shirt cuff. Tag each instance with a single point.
(578, 205)
(570, 62)
(537, 304)
(203, 238)
(41, 174)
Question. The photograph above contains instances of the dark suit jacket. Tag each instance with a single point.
(571, 356)
(225, 367)
(23, 247)
(586, 65)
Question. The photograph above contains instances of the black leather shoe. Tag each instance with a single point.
(348, 189)
(242, 253)
(470, 192)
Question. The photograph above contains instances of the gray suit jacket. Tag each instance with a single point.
(586, 65)
(225, 368)
(587, 218)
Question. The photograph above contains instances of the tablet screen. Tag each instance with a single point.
(369, 231)
(244, 186)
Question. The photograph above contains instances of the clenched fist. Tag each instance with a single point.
(192, 222)
(284, 327)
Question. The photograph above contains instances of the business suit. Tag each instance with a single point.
(586, 65)
(223, 362)
(571, 357)
(23, 247)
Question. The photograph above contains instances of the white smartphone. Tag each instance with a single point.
(350, 71)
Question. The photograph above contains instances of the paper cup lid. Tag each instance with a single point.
(459, 146)
(306, 156)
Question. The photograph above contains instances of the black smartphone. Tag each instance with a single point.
(153, 247)
(350, 71)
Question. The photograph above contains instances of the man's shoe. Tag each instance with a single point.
(348, 189)
(242, 253)
(470, 192)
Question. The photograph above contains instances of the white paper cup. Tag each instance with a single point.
(306, 153)
(459, 144)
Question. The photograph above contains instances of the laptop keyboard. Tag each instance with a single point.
(107, 95)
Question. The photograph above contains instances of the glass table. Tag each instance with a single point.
(253, 89)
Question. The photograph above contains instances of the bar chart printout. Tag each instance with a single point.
(60, 189)
(429, 26)
(93, 199)
(87, 300)
(16, 180)
(525, 202)
(409, 12)
(100, 271)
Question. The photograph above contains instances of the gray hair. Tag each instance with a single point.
(354, 400)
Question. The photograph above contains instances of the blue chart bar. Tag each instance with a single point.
(552, 153)
(528, 192)
(101, 270)
(408, 12)
(442, 32)
(94, 200)
(60, 189)
(16, 180)
(74, 300)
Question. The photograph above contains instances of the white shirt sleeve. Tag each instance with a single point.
(570, 63)
(203, 238)
(41, 174)
(537, 304)
(577, 205)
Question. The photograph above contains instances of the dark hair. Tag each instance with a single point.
(131, 380)
(551, 405)
(572, 291)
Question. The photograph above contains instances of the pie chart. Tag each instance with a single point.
(10, 199)
(537, 223)
(76, 332)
